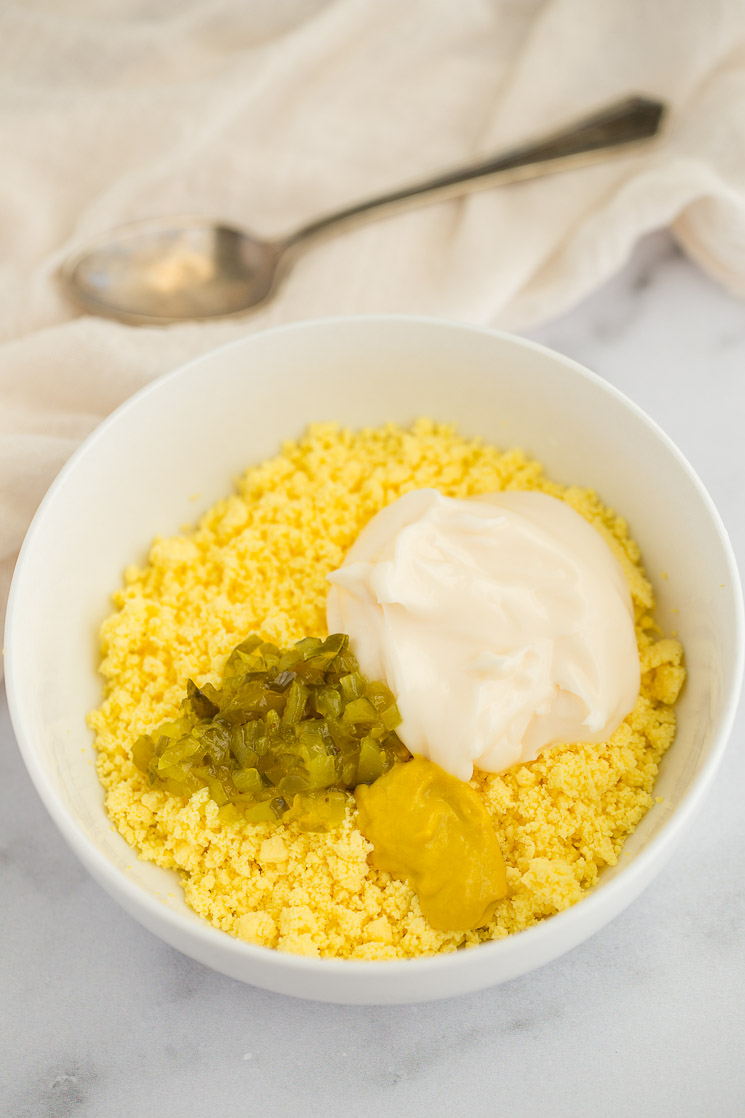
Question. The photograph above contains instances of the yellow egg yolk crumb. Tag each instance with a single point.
(257, 562)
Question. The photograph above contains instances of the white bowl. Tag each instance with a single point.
(196, 430)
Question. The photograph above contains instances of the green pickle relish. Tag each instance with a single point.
(285, 737)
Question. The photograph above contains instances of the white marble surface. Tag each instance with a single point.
(647, 1018)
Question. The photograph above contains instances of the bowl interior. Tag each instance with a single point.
(173, 450)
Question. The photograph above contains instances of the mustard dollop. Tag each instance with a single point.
(433, 831)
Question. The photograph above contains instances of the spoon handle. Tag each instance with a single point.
(618, 126)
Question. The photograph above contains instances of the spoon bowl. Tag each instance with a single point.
(155, 272)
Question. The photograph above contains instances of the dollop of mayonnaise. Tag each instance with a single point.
(503, 624)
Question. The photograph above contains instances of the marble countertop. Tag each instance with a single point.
(647, 1018)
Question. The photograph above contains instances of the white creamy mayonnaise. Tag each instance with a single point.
(503, 624)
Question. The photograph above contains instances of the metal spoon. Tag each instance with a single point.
(173, 269)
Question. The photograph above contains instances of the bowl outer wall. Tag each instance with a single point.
(240, 402)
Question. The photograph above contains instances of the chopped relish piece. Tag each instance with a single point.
(283, 738)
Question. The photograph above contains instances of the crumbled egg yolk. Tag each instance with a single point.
(257, 562)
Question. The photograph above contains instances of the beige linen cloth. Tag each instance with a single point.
(270, 112)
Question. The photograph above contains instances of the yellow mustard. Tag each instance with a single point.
(434, 832)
